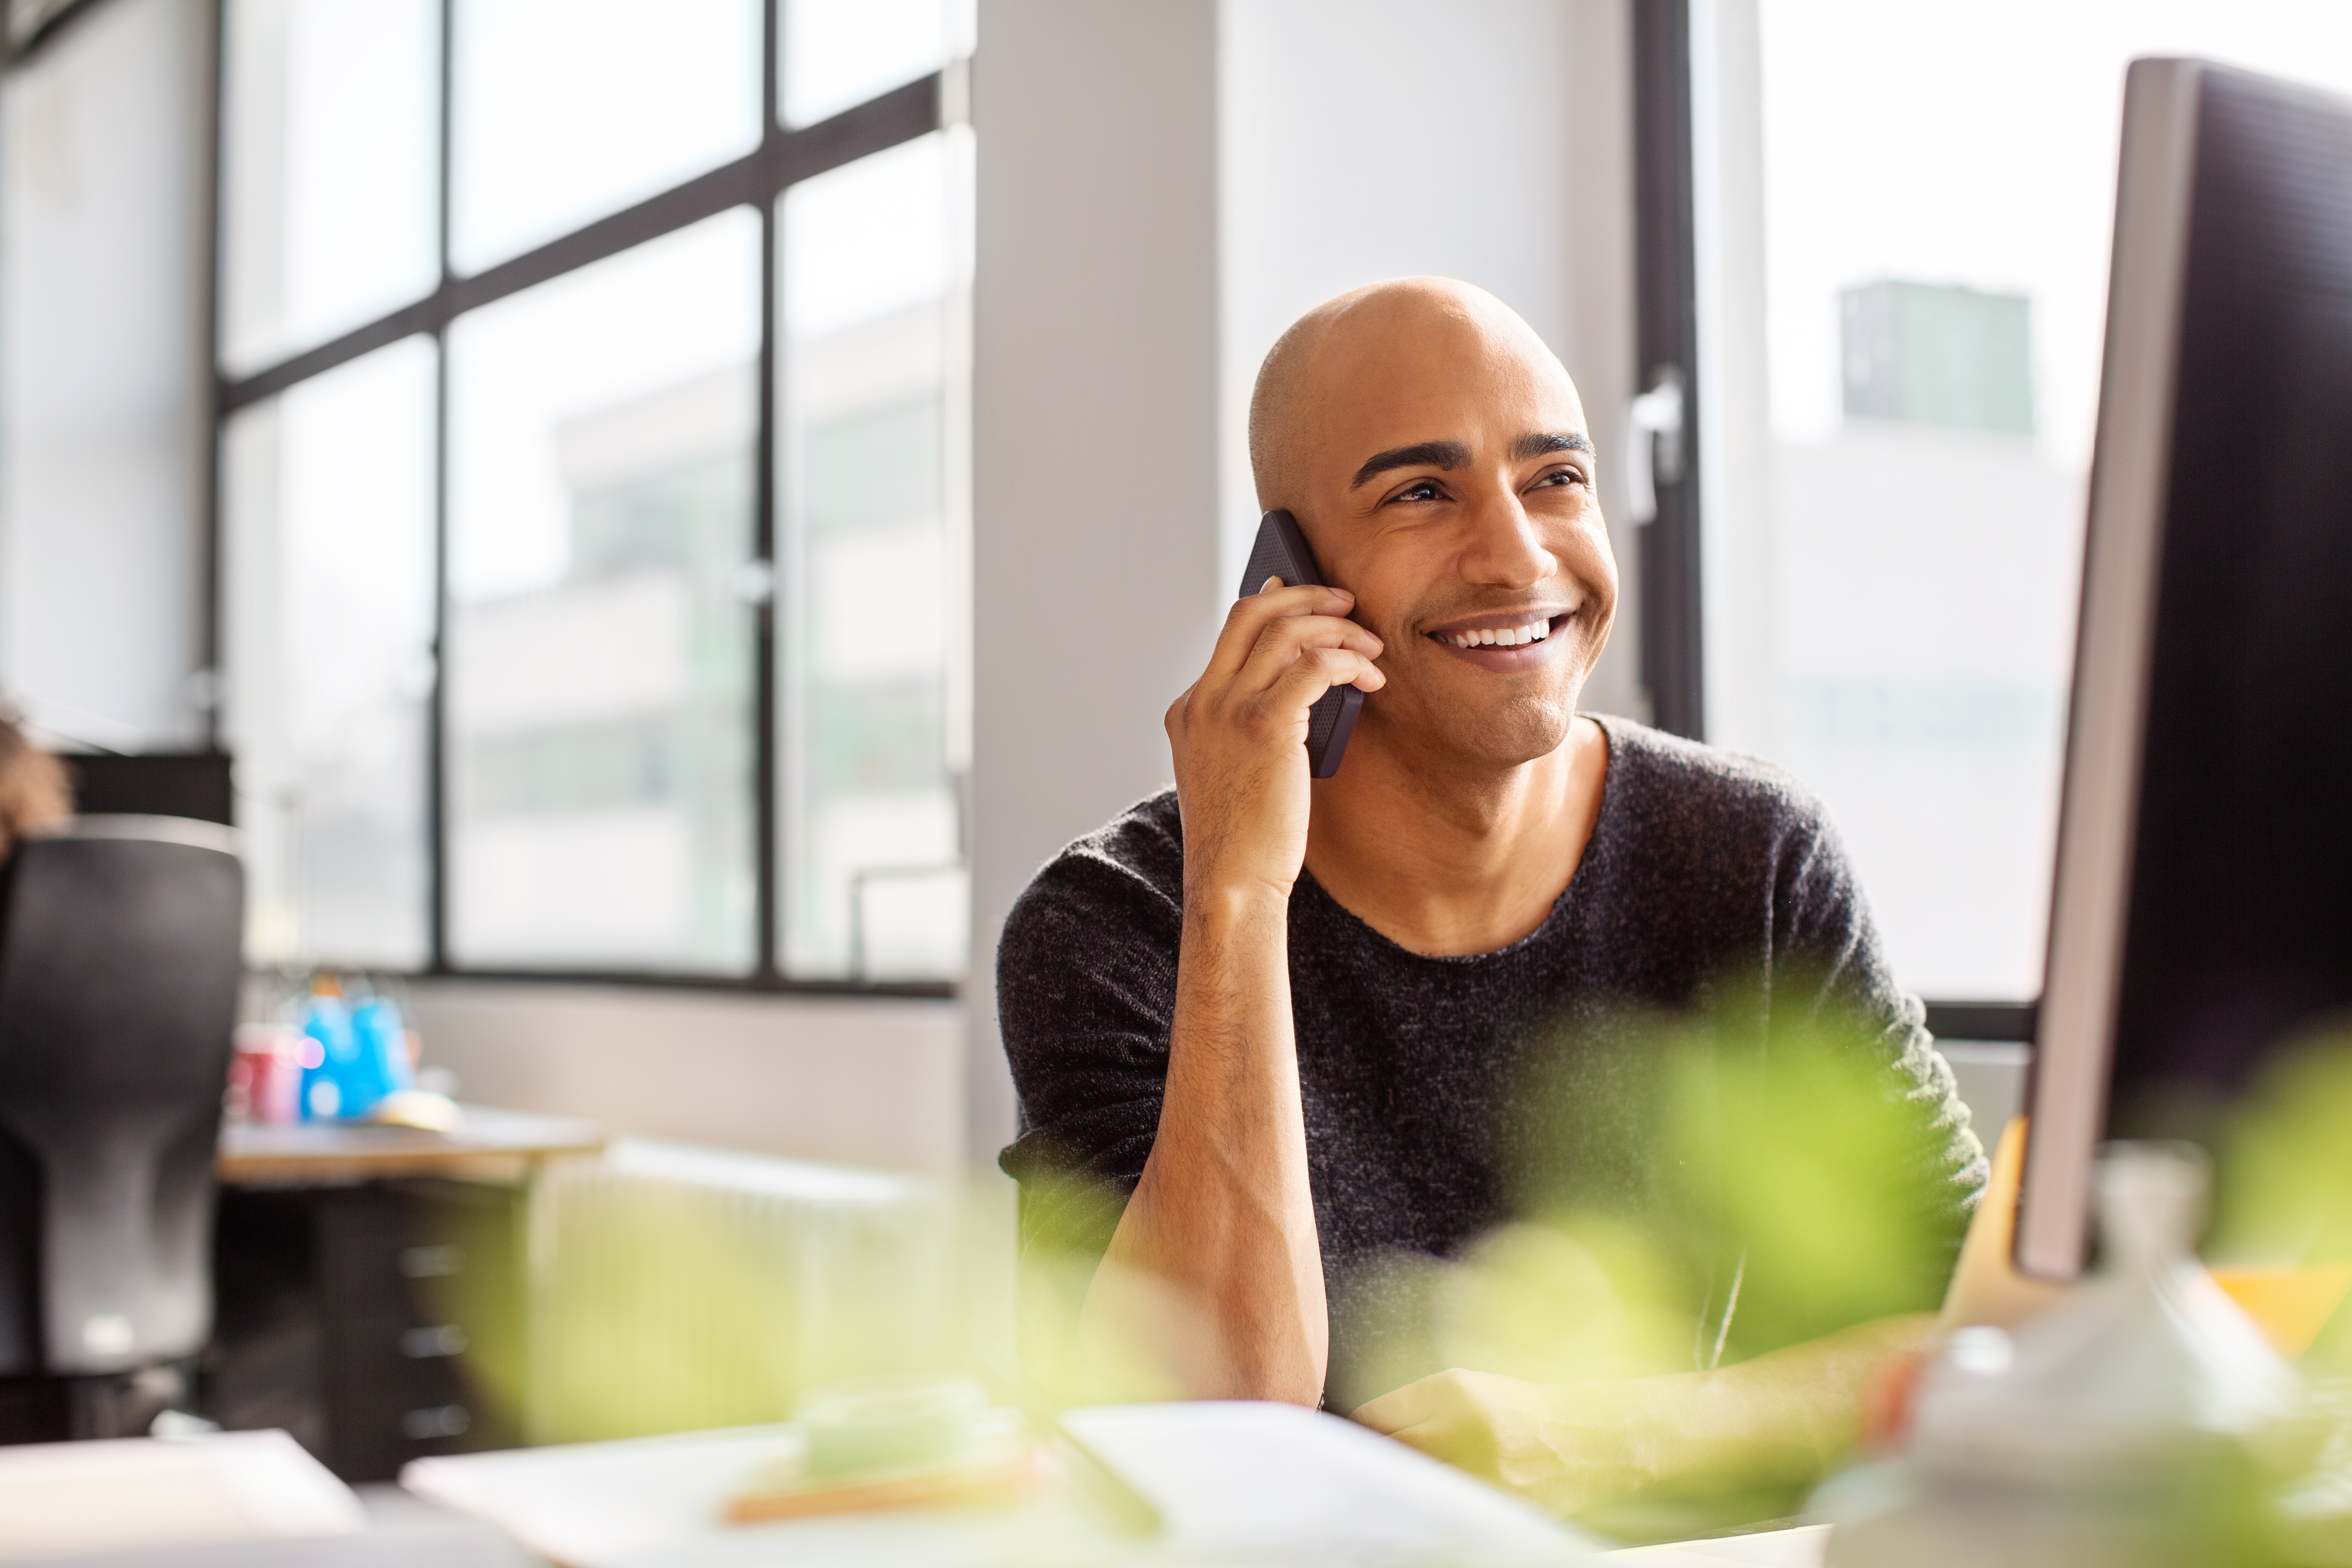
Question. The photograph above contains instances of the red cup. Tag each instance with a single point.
(264, 1076)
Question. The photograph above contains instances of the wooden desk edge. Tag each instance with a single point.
(506, 1166)
(416, 1154)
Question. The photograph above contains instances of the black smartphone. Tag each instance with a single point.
(1281, 551)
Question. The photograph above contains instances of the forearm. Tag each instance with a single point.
(1782, 1418)
(1785, 1417)
(1223, 1219)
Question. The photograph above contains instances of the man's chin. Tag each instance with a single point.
(1490, 737)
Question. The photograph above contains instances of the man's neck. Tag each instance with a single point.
(1452, 860)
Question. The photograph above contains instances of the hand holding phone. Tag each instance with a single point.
(1278, 684)
(1281, 551)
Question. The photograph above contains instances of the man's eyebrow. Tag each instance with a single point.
(1539, 443)
(1446, 455)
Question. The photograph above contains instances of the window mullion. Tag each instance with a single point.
(763, 549)
(436, 813)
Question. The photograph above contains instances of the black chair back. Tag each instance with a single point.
(120, 960)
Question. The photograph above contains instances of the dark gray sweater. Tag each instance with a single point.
(1711, 882)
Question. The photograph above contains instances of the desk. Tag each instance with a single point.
(501, 1146)
(371, 1284)
(1235, 1482)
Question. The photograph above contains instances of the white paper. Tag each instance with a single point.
(59, 1498)
(1237, 1483)
(1806, 1546)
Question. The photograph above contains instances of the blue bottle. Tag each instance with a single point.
(383, 1050)
(327, 1071)
(357, 1049)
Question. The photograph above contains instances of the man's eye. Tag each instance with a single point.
(1424, 490)
(1562, 477)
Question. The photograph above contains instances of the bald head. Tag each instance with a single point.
(1364, 340)
(1435, 455)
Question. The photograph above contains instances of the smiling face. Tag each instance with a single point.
(1436, 456)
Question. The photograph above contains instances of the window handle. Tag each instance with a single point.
(1654, 443)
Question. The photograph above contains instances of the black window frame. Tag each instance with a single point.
(1666, 341)
(784, 157)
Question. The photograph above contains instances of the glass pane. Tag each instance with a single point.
(600, 742)
(837, 53)
(1890, 612)
(569, 109)
(103, 425)
(331, 141)
(329, 600)
(871, 466)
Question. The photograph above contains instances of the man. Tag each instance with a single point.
(1277, 1022)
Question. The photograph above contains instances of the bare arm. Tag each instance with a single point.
(1222, 1215)
(1222, 1219)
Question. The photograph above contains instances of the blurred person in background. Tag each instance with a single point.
(35, 789)
(1270, 1034)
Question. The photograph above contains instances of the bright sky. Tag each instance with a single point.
(1976, 146)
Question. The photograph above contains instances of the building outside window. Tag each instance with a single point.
(593, 484)
(1900, 288)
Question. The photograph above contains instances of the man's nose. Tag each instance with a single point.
(1504, 549)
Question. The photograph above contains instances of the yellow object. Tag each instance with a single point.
(2289, 1305)
(1986, 1288)
(1004, 1477)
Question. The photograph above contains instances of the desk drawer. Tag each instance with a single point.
(389, 1322)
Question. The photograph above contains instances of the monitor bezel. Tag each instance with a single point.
(2123, 549)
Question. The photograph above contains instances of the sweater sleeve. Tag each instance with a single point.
(1085, 988)
(1832, 970)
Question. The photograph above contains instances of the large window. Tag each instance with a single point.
(593, 471)
(1893, 292)
(598, 705)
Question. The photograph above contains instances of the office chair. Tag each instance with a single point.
(120, 942)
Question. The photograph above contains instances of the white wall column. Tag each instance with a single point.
(1096, 587)
(103, 425)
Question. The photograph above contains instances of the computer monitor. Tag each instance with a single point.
(2201, 917)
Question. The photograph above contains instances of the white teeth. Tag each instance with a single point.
(1509, 637)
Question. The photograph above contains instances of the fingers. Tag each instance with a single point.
(1285, 645)
(1249, 618)
(1314, 672)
